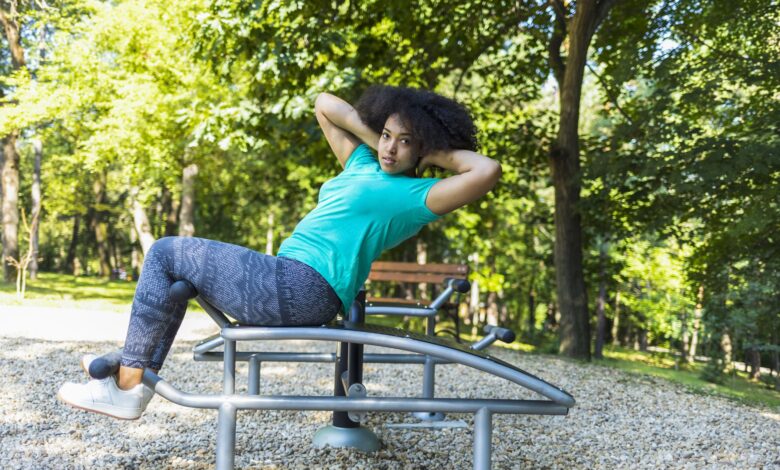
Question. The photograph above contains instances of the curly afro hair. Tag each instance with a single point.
(436, 122)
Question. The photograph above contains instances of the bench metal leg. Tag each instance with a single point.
(483, 435)
(344, 432)
(229, 375)
(226, 420)
(429, 377)
(254, 375)
(226, 437)
(429, 382)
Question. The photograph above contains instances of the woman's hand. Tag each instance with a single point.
(425, 162)
(436, 158)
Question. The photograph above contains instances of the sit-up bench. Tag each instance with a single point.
(351, 401)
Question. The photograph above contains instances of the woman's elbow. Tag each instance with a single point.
(493, 172)
(320, 102)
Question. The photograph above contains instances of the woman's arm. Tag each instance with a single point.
(342, 126)
(476, 175)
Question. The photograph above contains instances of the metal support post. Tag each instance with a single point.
(254, 375)
(344, 432)
(483, 434)
(226, 436)
(229, 377)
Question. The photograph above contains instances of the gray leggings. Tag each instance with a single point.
(253, 288)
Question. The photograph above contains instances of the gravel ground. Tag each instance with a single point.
(621, 420)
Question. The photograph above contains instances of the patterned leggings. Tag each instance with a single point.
(253, 288)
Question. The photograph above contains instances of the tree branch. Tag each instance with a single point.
(473, 59)
(556, 40)
(610, 95)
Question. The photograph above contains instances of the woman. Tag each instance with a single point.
(374, 204)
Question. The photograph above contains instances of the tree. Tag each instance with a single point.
(9, 17)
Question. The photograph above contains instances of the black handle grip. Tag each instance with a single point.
(504, 334)
(105, 365)
(182, 291)
(460, 285)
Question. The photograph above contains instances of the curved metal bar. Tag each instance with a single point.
(399, 339)
(375, 404)
(208, 344)
(408, 311)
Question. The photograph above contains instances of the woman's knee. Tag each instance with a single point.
(164, 243)
(161, 249)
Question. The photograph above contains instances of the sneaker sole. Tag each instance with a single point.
(93, 410)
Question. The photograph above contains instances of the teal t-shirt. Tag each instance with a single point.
(360, 213)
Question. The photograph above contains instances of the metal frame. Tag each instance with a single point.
(203, 351)
(352, 336)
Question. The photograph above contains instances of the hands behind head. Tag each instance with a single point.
(431, 159)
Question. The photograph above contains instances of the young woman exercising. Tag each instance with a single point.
(377, 202)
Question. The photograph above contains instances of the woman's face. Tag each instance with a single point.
(396, 150)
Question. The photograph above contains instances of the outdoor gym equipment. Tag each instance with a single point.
(351, 400)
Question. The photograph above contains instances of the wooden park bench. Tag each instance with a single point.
(401, 276)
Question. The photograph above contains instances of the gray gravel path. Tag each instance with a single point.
(621, 421)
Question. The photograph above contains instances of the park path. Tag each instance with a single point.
(73, 324)
(620, 421)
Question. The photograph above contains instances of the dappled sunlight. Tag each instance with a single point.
(772, 416)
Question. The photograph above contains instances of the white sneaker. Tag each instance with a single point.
(105, 397)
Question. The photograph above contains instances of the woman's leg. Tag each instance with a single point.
(237, 280)
(251, 287)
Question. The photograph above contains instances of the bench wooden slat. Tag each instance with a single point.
(395, 300)
(448, 270)
(409, 277)
(413, 273)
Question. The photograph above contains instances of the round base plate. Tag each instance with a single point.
(359, 438)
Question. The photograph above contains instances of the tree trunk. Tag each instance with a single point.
(685, 343)
(775, 356)
(36, 208)
(601, 321)
(565, 167)
(726, 347)
(531, 313)
(135, 257)
(269, 234)
(642, 340)
(473, 316)
(100, 226)
(491, 314)
(754, 359)
(474, 303)
(503, 311)
(141, 223)
(187, 214)
(422, 258)
(10, 167)
(10, 205)
(171, 206)
(616, 320)
(70, 260)
(696, 323)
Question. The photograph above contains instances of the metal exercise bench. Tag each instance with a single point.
(350, 401)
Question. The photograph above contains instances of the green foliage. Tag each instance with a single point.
(678, 133)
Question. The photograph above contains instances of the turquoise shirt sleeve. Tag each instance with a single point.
(361, 156)
(424, 214)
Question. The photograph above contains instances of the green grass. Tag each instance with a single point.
(66, 291)
(737, 386)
